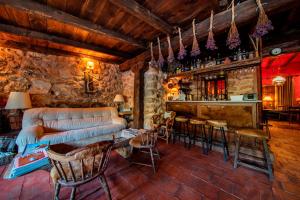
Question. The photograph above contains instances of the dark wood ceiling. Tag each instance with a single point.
(109, 30)
(37, 16)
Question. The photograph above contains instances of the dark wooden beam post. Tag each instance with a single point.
(138, 105)
(9, 30)
(37, 9)
(144, 14)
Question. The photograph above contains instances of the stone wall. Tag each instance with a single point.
(58, 80)
(128, 88)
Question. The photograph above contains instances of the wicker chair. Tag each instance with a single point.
(164, 125)
(81, 166)
(145, 142)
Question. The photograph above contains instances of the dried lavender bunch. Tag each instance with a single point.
(233, 39)
(182, 51)
(170, 51)
(161, 60)
(264, 25)
(195, 48)
(211, 43)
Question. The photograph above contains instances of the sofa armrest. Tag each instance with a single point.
(119, 120)
(29, 135)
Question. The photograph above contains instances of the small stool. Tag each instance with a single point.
(198, 125)
(181, 130)
(257, 134)
(221, 126)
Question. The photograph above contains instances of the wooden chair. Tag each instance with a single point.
(145, 142)
(81, 166)
(164, 125)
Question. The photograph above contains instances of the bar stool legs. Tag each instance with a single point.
(181, 129)
(257, 135)
(218, 126)
(196, 127)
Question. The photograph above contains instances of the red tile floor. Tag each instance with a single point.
(183, 174)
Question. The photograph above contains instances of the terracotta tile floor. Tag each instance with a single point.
(183, 174)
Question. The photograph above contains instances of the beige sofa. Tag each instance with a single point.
(67, 125)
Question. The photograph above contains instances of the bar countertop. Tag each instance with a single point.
(216, 102)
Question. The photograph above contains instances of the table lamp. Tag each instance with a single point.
(119, 99)
(18, 101)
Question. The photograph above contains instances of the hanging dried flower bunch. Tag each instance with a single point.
(195, 49)
(182, 51)
(264, 25)
(211, 44)
(152, 61)
(161, 60)
(170, 50)
(233, 39)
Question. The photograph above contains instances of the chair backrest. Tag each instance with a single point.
(83, 164)
(148, 138)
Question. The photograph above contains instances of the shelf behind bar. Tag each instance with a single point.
(225, 67)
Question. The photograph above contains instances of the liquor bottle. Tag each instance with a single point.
(205, 62)
(244, 55)
(239, 55)
(218, 60)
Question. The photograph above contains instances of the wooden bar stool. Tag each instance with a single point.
(220, 126)
(198, 133)
(258, 135)
(181, 129)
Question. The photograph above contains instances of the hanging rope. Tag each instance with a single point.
(264, 25)
(170, 51)
(182, 51)
(161, 60)
(152, 61)
(233, 39)
(195, 48)
(211, 44)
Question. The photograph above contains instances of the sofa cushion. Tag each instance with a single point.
(64, 119)
(79, 134)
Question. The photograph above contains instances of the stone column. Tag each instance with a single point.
(152, 95)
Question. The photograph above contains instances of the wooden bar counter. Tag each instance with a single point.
(236, 113)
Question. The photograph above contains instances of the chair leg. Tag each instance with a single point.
(152, 160)
(105, 186)
(237, 150)
(157, 152)
(211, 132)
(72, 197)
(204, 140)
(57, 190)
(225, 152)
(267, 156)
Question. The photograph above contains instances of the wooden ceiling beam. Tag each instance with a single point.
(245, 12)
(59, 40)
(35, 8)
(144, 14)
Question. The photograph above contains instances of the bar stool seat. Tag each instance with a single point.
(197, 121)
(217, 123)
(258, 135)
(181, 123)
(181, 119)
(198, 133)
(219, 126)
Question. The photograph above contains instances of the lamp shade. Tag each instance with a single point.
(18, 100)
(119, 98)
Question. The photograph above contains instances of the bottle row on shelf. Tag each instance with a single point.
(209, 62)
